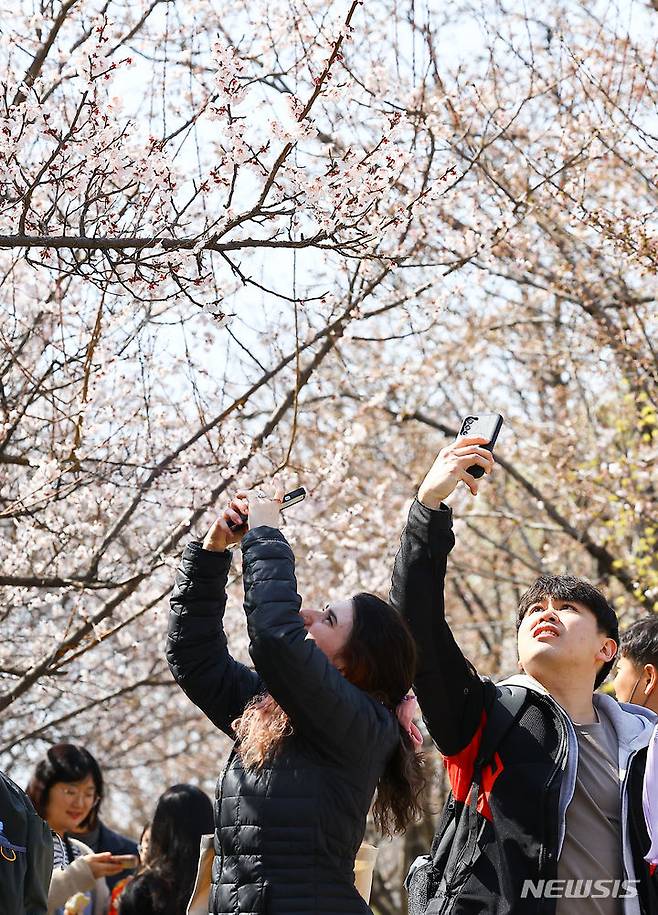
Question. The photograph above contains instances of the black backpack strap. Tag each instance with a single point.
(503, 709)
(502, 714)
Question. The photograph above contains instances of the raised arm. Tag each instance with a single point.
(339, 719)
(197, 650)
(447, 685)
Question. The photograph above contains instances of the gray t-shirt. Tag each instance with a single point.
(592, 844)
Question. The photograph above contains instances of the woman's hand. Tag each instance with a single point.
(104, 864)
(450, 467)
(266, 511)
(220, 536)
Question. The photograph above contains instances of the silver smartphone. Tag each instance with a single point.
(293, 498)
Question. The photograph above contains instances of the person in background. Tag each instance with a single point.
(636, 683)
(26, 854)
(118, 888)
(144, 842)
(636, 679)
(92, 831)
(164, 884)
(64, 791)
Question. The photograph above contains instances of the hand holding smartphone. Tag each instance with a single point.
(290, 499)
(464, 460)
(128, 862)
(484, 425)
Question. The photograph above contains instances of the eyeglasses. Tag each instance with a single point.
(86, 795)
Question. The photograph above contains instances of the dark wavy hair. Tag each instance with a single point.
(65, 762)
(183, 814)
(380, 658)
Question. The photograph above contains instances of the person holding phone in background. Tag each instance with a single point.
(66, 789)
(548, 782)
(315, 725)
(96, 834)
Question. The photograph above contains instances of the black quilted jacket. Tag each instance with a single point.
(287, 834)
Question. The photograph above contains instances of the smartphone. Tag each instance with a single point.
(291, 498)
(129, 862)
(484, 425)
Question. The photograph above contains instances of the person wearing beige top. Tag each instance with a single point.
(65, 798)
(76, 874)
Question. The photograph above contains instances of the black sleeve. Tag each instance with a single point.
(39, 866)
(334, 715)
(197, 650)
(448, 688)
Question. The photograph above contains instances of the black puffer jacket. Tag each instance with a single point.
(286, 834)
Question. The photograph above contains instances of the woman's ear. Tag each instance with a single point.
(339, 663)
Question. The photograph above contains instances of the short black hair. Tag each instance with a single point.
(640, 641)
(65, 762)
(569, 588)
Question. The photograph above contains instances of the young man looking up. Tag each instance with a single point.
(553, 811)
(637, 668)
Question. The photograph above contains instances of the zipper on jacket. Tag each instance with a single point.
(562, 756)
(220, 798)
(625, 838)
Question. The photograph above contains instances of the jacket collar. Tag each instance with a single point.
(632, 723)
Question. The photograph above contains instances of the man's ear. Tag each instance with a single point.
(651, 672)
(607, 651)
(520, 666)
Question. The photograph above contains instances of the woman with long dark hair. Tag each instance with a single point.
(164, 885)
(316, 725)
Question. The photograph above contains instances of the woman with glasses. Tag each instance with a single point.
(66, 790)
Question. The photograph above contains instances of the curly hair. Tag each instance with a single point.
(260, 730)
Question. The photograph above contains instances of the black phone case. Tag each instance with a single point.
(232, 526)
(475, 470)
